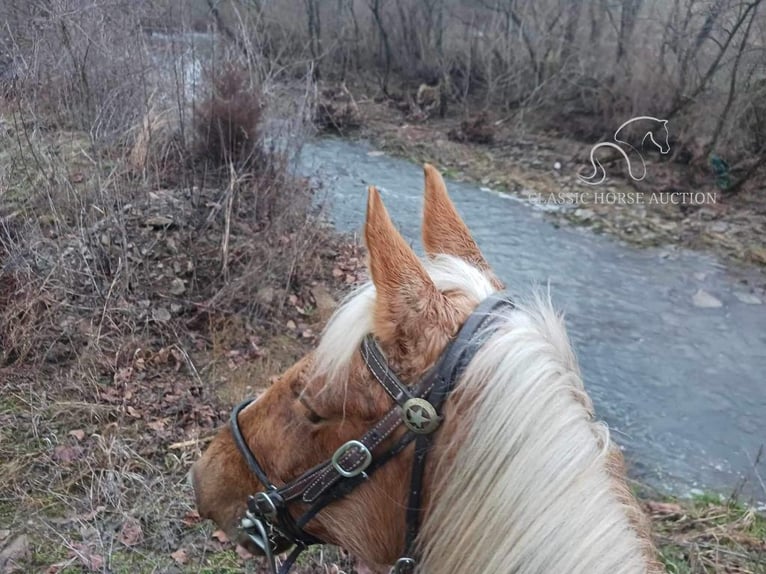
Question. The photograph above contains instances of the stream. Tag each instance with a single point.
(683, 388)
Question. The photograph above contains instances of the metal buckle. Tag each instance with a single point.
(344, 448)
(405, 565)
(420, 416)
(262, 504)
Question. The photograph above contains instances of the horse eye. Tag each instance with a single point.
(312, 415)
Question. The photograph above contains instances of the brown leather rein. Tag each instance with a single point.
(267, 521)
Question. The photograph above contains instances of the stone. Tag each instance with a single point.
(747, 298)
(177, 286)
(161, 315)
(158, 222)
(705, 300)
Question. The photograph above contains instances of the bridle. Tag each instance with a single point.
(267, 521)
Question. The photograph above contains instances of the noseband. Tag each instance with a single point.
(269, 524)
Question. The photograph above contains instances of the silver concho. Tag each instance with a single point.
(420, 416)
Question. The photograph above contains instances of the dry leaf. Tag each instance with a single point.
(66, 454)
(191, 518)
(666, 508)
(79, 434)
(130, 533)
(157, 425)
(220, 535)
(92, 562)
(243, 553)
(88, 516)
(180, 556)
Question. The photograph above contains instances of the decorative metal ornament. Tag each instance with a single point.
(420, 416)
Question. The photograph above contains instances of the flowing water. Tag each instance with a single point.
(683, 388)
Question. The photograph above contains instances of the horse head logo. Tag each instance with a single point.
(658, 127)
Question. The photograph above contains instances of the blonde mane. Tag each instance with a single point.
(532, 486)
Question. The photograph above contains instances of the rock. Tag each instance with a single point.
(324, 301)
(158, 222)
(747, 298)
(177, 286)
(705, 300)
(13, 553)
(584, 214)
(758, 254)
(265, 296)
(161, 315)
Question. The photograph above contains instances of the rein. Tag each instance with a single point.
(267, 521)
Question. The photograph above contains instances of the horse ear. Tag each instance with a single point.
(402, 284)
(443, 229)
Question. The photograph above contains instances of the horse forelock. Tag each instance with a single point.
(531, 484)
(353, 320)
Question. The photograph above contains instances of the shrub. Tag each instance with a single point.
(228, 122)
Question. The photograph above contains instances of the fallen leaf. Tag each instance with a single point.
(291, 325)
(191, 518)
(133, 412)
(88, 516)
(79, 434)
(220, 535)
(66, 454)
(157, 425)
(130, 533)
(666, 508)
(243, 553)
(180, 556)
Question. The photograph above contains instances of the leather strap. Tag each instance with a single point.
(378, 366)
(448, 371)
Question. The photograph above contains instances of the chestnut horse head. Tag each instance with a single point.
(520, 478)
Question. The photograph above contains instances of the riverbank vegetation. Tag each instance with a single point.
(515, 93)
(160, 260)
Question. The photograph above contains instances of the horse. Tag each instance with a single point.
(664, 148)
(520, 476)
